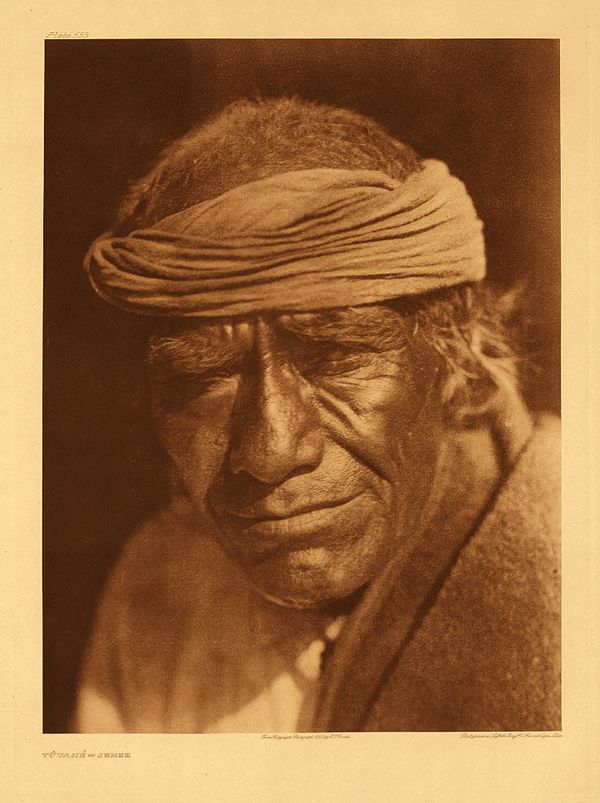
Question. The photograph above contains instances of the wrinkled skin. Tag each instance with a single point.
(310, 440)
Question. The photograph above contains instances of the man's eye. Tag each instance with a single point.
(334, 361)
(213, 378)
(178, 387)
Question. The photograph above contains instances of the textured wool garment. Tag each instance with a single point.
(299, 241)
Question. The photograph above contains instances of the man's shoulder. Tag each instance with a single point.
(491, 638)
(511, 563)
(543, 452)
(166, 564)
(528, 506)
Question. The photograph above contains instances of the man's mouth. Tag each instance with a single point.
(262, 531)
(272, 512)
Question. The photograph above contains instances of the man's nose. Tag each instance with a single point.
(276, 433)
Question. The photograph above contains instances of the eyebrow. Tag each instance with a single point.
(370, 328)
(192, 353)
(214, 347)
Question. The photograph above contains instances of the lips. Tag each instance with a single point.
(274, 512)
(261, 532)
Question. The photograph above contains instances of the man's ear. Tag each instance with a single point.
(467, 397)
(472, 378)
(492, 399)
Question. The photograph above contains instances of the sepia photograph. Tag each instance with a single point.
(301, 386)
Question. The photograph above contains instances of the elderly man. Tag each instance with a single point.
(363, 526)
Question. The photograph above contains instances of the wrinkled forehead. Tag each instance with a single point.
(350, 326)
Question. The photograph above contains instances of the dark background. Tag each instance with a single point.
(489, 108)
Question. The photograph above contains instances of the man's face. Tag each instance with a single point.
(309, 439)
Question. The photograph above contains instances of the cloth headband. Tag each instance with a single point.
(298, 241)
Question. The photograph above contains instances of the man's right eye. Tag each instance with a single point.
(213, 380)
(208, 379)
(177, 388)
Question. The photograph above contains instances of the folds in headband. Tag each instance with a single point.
(298, 241)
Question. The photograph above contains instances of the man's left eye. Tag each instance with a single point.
(334, 361)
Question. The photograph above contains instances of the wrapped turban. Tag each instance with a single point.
(298, 241)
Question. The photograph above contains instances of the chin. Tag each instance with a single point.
(315, 559)
(310, 578)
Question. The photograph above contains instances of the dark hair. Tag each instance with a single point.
(252, 139)
(474, 330)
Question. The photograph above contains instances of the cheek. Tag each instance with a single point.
(196, 438)
(391, 423)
